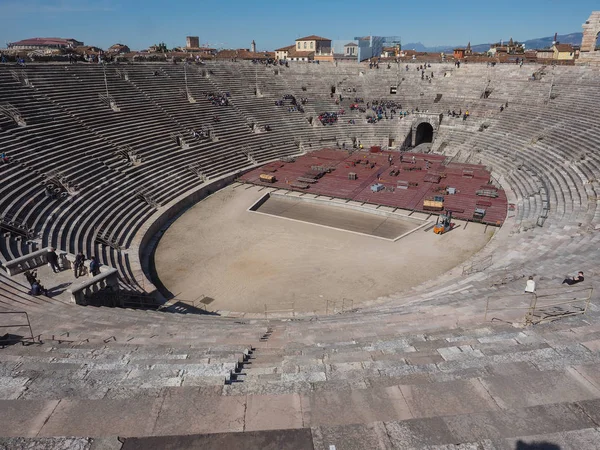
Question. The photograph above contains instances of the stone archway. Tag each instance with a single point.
(591, 31)
(424, 133)
(424, 128)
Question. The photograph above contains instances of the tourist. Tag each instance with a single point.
(30, 276)
(94, 266)
(78, 264)
(36, 289)
(53, 260)
(574, 280)
(530, 285)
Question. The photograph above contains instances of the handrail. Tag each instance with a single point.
(28, 324)
(292, 310)
(506, 308)
(535, 307)
(587, 300)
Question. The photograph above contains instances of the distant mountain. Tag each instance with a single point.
(416, 46)
(573, 38)
(538, 43)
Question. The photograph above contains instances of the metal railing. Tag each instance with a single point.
(545, 312)
(546, 306)
(28, 325)
(291, 309)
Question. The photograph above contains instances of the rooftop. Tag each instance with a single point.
(312, 37)
(564, 47)
(45, 41)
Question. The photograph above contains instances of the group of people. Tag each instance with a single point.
(459, 114)
(328, 118)
(294, 104)
(530, 284)
(78, 263)
(78, 269)
(217, 99)
(203, 134)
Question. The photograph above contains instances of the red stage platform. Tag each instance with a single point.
(416, 177)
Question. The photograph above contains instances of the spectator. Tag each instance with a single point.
(53, 259)
(36, 289)
(574, 280)
(78, 266)
(31, 277)
(94, 266)
(530, 286)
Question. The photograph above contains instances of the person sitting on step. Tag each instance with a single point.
(574, 280)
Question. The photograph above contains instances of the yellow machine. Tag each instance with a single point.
(265, 178)
(444, 223)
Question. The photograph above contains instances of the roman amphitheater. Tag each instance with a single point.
(271, 280)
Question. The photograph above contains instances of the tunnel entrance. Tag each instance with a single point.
(424, 133)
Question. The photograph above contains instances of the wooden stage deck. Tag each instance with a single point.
(425, 177)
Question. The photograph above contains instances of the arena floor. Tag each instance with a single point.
(244, 260)
(328, 214)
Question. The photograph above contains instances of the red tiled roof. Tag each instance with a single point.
(44, 41)
(312, 37)
(296, 54)
(564, 47)
(285, 49)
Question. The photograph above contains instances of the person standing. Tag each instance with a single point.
(78, 264)
(53, 260)
(94, 266)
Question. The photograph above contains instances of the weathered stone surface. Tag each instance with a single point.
(189, 412)
(352, 437)
(268, 412)
(58, 443)
(254, 440)
(25, 417)
(358, 406)
(132, 417)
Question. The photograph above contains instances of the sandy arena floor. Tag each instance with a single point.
(332, 216)
(244, 260)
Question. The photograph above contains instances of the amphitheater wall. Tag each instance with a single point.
(147, 237)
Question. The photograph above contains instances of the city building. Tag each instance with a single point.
(563, 52)
(546, 53)
(192, 42)
(351, 49)
(47, 45)
(118, 49)
(459, 53)
(319, 46)
(283, 52)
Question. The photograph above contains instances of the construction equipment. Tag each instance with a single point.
(267, 178)
(444, 223)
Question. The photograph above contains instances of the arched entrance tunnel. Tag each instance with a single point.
(424, 133)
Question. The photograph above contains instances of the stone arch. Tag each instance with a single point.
(424, 133)
(428, 124)
(591, 31)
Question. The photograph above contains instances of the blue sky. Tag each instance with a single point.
(273, 24)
